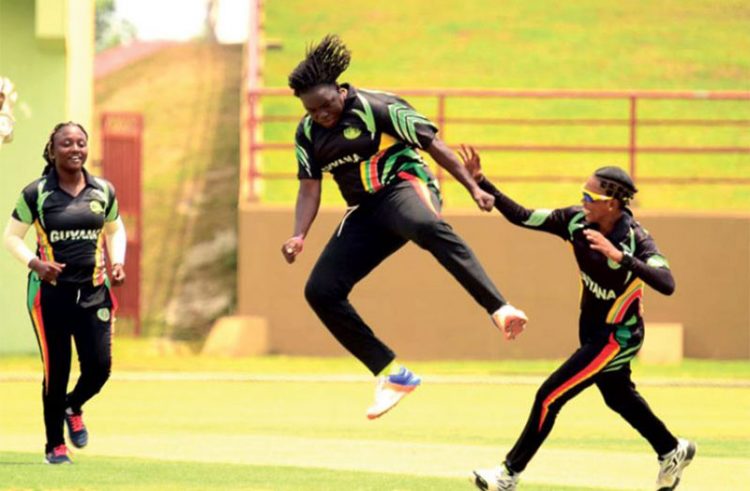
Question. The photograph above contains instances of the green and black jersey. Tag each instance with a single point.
(610, 292)
(374, 142)
(69, 229)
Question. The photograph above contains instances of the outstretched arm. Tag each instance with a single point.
(446, 159)
(308, 203)
(552, 221)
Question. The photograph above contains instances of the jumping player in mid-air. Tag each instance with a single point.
(616, 257)
(369, 141)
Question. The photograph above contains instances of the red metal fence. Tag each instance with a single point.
(122, 165)
(631, 102)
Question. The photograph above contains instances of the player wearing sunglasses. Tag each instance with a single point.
(616, 257)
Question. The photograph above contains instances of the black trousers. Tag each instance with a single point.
(405, 211)
(604, 360)
(83, 312)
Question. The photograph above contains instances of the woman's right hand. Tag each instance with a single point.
(118, 274)
(292, 247)
(472, 162)
(47, 270)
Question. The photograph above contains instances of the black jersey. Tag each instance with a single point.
(69, 229)
(610, 292)
(374, 142)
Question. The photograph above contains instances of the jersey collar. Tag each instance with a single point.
(53, 180)
(351, 95)
(621, 228)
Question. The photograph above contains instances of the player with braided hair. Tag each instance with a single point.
(616, 257)
(369, 141)
(69, 291)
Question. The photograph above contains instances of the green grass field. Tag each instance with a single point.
(279, 423)
(665, 44)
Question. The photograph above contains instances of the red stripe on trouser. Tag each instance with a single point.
(115, 303)
(374, 173)
(38, 321)
(626, 305)
(421, 189)
(610, 350)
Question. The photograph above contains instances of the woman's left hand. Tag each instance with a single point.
(118, 274)
(600, 243)
(472, 162)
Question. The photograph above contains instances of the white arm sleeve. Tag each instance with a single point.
(117, 240)
(13, 236)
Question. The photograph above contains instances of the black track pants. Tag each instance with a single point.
(406, 211)
(83, 312)
(604, 361)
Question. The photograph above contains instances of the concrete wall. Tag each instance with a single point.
(35, 39)
(422, 313)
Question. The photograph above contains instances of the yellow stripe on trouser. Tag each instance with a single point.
(622, 303)
(421, 189)
(610, 351)
(36, 319)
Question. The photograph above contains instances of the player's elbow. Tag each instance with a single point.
(669, 287)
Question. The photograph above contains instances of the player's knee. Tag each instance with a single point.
(428, 233)
(540, 397)
(101, 379)
(614, 401)
(100, 371)
(320, 292)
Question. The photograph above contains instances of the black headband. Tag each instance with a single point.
(616, 190)
(616, 183)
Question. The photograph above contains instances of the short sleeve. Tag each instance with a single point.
(303, 149)
(112, 212)
(111, 206)
(25, 210)
(399, 119)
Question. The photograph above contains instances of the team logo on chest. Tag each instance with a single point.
(352, 133)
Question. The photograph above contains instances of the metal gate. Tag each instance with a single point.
(122, 166)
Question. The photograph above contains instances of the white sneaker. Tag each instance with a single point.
(495, 479)
(672, 465)
(510, 320)
(390, 390)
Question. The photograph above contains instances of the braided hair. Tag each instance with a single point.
(323, 64)
(47, 154)
(616, 183)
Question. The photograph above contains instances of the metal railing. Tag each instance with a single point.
(630, 119)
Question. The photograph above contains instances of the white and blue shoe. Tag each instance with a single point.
(390, 390)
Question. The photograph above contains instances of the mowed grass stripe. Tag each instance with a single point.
(534, 380)
(123, 473)
(553, 466)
